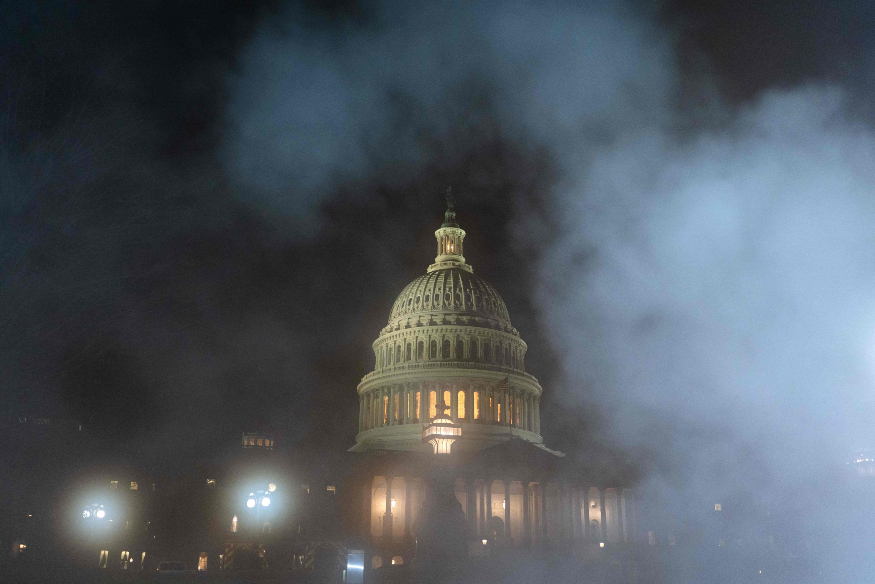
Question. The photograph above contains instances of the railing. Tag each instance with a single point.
(426, 365)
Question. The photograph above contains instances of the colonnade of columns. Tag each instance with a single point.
(412, 403)
(518, 513)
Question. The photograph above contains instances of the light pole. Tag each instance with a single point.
(94, 515)
(259, 499)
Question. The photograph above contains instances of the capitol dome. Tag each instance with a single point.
(449, 341)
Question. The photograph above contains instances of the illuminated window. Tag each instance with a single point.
(491, 407)
(498, 412)
(134, 485)
(113, 484)
(718, 507)
(416, 412)
(124, 560)
(259, 442)
(202, 562)
(395, 406)
(476, 405)
(510, 410)
(385, 409)
(234, 525)
(432, 404)
(104, 557)
(461, 408)
(252, 441)
(331, 489)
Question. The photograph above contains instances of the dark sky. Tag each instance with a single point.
(152, 292)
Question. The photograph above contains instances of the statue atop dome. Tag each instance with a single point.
(450, 215)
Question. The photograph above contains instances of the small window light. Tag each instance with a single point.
(113, 484)
(718, 507)
(601, 544)
(134, 485)
(331, 489)
(484, 542)
(211, 482)
(22, 546)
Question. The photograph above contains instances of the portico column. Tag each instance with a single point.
(544, 529)
(527, 519)
(575, 503)
(586, 530)
(505, 398)
(469, 403)
(407, 507)
(471, 504)
(393, 391)
(387, 517)
(507, 508)
(489, 507)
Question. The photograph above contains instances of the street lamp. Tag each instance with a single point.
(262, 496)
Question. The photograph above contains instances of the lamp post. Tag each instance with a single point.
(260, 499)
(94, 515)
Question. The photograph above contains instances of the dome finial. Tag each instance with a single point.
(450, 215)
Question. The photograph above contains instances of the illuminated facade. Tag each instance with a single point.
(449, 341)
(449, 338)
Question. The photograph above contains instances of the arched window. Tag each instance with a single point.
(420, 349)
(461, 407)
(487, 351)
(432, 350)
(397, 353)
(472, 350)
(409, 352)
(432, 404)
(445, 349)
(460, 349)
(506, 356)
(448, 400)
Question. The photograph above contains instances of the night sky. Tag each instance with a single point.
(203, 231)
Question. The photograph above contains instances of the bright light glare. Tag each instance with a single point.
(265, 502)
(484, 542)
(271, 487)
(86, 514)
(601, 544)
(250, 503)
(100, 514)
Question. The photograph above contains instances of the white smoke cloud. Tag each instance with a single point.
(712, 295)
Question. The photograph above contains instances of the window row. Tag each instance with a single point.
(472, 350)
(488, 406)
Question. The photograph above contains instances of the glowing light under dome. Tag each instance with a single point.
(100, 514)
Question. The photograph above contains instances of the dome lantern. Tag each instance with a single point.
(450, 239)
